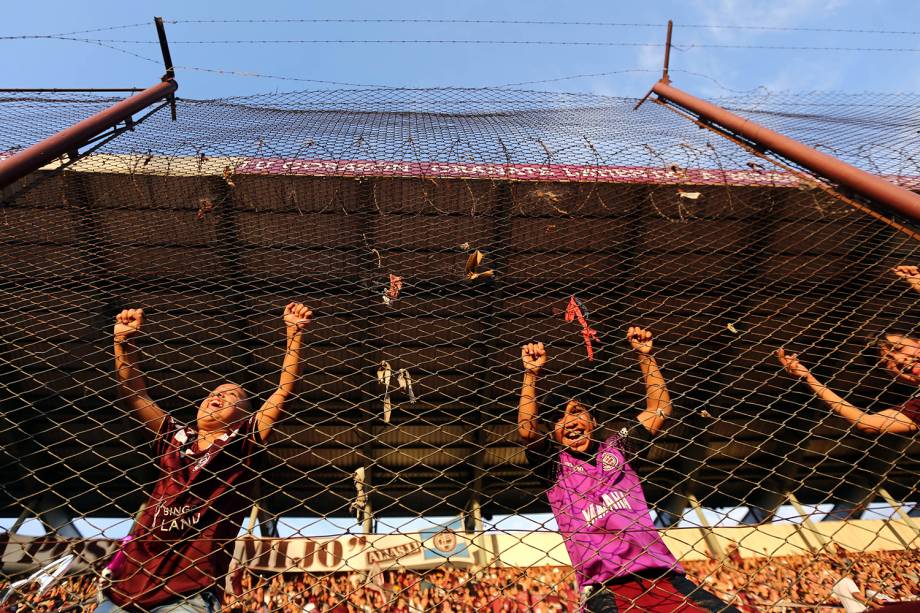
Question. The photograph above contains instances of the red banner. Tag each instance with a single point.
(530, 172)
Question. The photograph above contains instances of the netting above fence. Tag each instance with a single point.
(366, 206)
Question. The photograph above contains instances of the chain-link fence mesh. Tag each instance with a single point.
(367, 206)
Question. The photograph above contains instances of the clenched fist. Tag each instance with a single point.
(297, 317)
(128, 323)
(533, 355)
(791, 363)
(640, 339)
(911, 274)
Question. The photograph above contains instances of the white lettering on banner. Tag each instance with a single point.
(344, 553)
(390, 554)
(550, 172)
(612, 500)
(553, 172)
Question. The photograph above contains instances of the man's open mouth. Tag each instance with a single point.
(573, 435)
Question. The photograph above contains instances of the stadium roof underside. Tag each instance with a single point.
(213, 223)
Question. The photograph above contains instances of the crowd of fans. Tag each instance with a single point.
(778, 585)
(803, 583)
(70, 594)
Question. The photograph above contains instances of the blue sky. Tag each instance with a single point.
(56, 63)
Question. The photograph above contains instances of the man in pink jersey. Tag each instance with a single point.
(621, 563)
(182, 543)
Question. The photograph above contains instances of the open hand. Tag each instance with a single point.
(791, 363)
(533, 355)
(911, 274)
(128, 323)
(297, 317)
(640, 339)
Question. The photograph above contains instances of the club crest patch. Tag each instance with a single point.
(609, 461)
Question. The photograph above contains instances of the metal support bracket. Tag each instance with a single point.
(167, 62)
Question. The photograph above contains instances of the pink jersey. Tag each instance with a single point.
(603, 516)
(182, 543)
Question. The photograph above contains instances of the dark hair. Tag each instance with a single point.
(554, 402)
(873, 350)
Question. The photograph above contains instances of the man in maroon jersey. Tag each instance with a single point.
(182, 544)
(900, 355)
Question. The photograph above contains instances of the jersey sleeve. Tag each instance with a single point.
(168, 438)
(633, 442)
(910, 410)
(249, 440)
(636, 443)
(541, 457)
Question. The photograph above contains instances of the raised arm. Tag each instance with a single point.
(533, 355)
(132, 390)
(889, 420)
(657, 400)
(296, 319)
(911, 274)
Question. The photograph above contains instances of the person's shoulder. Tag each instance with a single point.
(174, 432)
(620, 439)
(911, 409)
(542, 456)
(540, 448)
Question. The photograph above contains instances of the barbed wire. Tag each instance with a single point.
(558, 23)
(716, 82)
(559, 43)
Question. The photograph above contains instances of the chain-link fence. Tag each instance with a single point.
(433, 233)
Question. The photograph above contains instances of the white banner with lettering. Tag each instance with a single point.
(426, 549)
(357, 552)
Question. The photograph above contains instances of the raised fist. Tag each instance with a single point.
(791, 363)
(640, 339)
(911, 274)
(297, 316)
(128, 323)
(533, 355)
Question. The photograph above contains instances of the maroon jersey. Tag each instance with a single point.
(183, 542)
(910, 409)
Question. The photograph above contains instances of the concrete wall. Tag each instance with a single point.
(547, 549)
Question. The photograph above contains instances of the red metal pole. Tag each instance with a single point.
(895, 198)
(31, 159)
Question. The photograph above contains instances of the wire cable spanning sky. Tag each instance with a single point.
(235, 48)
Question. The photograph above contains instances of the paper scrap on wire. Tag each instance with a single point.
(384, 375)
(472, 267)
(689, 195)
(403, 383)
(577, 311)
(360, 502)
(391, 294)
(404, 380)
(732, 328)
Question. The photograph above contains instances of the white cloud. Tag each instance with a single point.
(770, 14)
(731, 67)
